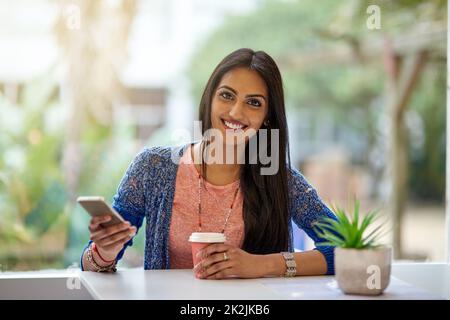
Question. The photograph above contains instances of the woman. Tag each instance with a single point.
(244, 96)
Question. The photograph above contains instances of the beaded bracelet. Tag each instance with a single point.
(95, 249)
(98, 268)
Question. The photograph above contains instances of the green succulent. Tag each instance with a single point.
(350, 231)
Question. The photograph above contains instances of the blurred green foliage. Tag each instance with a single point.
(33, 196)
(428, 152)
(40, 226)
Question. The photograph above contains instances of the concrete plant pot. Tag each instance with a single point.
(363, 272)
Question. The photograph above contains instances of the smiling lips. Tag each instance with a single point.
(235, 125)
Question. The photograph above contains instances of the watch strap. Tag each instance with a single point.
(291, 265)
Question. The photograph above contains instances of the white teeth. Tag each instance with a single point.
(233, 126)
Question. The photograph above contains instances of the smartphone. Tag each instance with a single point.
(96, 206)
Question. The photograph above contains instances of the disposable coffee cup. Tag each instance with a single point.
(199, 240)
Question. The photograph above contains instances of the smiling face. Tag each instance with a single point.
(239, 103)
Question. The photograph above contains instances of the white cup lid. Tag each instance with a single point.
(207, 237)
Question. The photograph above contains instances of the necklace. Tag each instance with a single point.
(200, 187)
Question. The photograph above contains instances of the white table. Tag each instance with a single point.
(409, 281)
(433, 277)
(181, 284)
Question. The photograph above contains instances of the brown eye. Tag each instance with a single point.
(226, 95)
(254, 103)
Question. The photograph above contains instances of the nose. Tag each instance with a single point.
(237, 111)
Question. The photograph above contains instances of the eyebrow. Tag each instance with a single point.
(247, 96)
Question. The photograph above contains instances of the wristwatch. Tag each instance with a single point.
(291, 265)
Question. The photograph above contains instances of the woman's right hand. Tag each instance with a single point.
(110, 240)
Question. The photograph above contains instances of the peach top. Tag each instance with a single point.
(216, 201)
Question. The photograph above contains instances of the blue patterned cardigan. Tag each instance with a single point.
(147, 191)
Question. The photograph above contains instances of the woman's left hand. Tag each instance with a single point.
(221, 261)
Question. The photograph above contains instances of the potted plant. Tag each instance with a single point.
(362, 264)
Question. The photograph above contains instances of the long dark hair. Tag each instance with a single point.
(266, 203)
